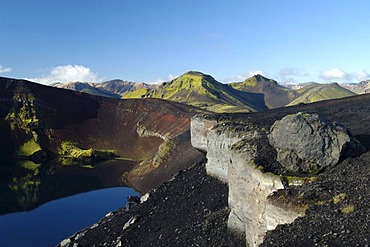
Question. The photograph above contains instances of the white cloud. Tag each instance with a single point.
(361, 75)
(242, 77)
(5, 69)
(67, 73)
(339, 75)
(333, 74)
(256, 72)
(289, 74)
(169, 77)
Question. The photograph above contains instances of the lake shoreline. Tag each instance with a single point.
(191, 208)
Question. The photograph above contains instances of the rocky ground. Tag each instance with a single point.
(190, 210)
(340, 210)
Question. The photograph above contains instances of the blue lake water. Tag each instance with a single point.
(50, 223)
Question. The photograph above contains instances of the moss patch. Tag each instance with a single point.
(348, 209)
(139, 93)
(29, 148)
(72, 154)
(295, 180)
(338, 198)
(164, 152)
(30, 165)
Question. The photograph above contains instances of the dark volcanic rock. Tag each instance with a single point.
(308, 143)
(339, 214)
(190, 210)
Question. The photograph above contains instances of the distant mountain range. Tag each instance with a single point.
(359, 88)
(201, 90)
(275, 95)
(197, 89)
(112, 88)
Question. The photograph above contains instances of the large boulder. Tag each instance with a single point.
(307, 143)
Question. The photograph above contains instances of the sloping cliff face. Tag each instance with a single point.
(232, 151)
(40, 123)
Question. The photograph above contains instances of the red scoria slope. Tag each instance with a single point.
(152, 132)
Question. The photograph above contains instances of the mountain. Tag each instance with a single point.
(359, 88)
(197, 89)
(119, 87)
(317, 92)
(201, 90)
(112, 88)
(296, 86)
(275, 95)
(40, 123)
(86, 87)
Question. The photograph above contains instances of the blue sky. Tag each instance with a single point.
(156, 40)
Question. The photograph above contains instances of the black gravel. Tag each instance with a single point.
(191, 210)
(344, 221)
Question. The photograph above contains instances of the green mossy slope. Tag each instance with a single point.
(197, 89)
(318, 92)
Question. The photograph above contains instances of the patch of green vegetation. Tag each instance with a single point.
(338, 198)
(245, 146)
(30, 165)
(68, 149)
(27, 186)
(348, 209)
(164, 151)
(23, 114)
(88, 166)
(223, 108)
(249, 82)
(296, 180)
(136, 94)
(322, 202)
(71, 154)
(67, 161)
(319, 92)
(29, 148)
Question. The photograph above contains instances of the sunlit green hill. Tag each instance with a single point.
(316, 92)
(201, 90)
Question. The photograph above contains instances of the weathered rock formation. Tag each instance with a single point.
(231, 152)
(240, 155)
(307, 143)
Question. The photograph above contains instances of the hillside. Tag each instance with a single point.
(120, 87)
(275, 95)
(85, 87)
(360, 88)
(112, 88)
(40, 123)
(317, 92)
(201, 90)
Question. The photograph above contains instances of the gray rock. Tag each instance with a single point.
(308, 143)
(65, 242)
